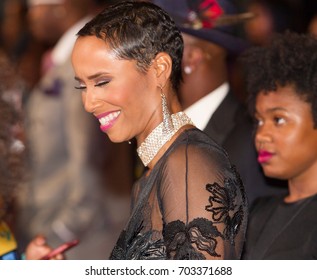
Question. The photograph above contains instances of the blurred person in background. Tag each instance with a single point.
(207, 95)
(312, 28)
(12, 163)
(14, 33)
(75, 189)
(272, 17)
(21, 50)
(311, 13)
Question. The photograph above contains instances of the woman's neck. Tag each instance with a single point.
(301, 188)
(161, 137)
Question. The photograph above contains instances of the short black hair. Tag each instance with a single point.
(289, 60)
(139, 31)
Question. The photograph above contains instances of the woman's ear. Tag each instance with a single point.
(163, 67)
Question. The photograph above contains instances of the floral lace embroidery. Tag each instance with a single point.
(223, 207)
(179, 239)
(139, 247)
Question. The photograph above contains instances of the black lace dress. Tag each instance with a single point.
(191, 206)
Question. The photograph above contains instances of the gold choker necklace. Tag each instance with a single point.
(159, 136)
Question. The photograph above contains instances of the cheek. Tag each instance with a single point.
(307, 144)
(287, 146)
(135, 95)
(121, 96)
(297, 147)
(294, 138)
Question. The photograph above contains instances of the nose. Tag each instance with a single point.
(262, 136)
(89, 101)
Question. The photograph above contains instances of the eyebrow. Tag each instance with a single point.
(91, 77)
(272, 110)
(276, 109)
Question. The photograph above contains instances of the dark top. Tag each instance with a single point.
(191, 206)
(279, 230)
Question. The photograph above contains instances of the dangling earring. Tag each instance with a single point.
(167, 119)
(188, 70)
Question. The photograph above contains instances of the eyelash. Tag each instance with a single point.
(101, 84)
(80, 87)
(278, 119)
(256, 122)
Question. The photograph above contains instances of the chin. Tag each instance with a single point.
(116, 138)
(275, 174)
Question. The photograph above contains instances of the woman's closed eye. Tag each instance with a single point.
(101, 84)
(80, 87)
(79, 84)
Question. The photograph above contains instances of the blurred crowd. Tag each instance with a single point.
(75, 185)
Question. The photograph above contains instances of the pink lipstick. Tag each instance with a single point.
(264, 156)
(107, 120)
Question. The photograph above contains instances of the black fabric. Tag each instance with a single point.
(279, 230)
(191, 206)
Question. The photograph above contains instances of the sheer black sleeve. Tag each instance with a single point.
(203, 204)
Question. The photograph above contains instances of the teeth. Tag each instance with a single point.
(107, 119)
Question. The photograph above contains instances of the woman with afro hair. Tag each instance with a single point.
(282, 83)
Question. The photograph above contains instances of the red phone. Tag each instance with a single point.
(61, 249)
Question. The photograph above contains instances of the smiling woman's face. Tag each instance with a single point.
(285, 137)
(125, 100)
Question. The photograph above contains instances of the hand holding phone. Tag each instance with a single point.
(61, 249)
